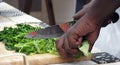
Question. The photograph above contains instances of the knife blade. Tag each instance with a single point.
(60, 29)
(51, 31)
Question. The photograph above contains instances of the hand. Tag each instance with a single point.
(86, 27)
(67, 45)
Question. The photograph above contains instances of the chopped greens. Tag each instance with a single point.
(14, 39)
(85, 48)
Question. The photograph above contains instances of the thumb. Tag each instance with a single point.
(82, 11)
(79, 14)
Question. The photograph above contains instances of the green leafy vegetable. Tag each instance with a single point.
(14, 39)
(85, 48)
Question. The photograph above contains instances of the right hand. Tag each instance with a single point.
(86, 27)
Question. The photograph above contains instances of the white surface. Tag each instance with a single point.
(109, 39)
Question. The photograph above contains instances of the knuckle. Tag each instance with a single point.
(75, 46)
(68, 49)
(59, 48)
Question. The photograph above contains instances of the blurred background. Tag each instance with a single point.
(38, 7)
(19, 4)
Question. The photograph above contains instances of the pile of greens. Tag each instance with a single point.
(14, 39)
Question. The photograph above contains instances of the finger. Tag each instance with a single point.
(75, 52)
(59, 46)
(72, 43)
(92, 37)
(67, 48)
(79, 14)
(78, 43)
(82, 11)
(71, 52)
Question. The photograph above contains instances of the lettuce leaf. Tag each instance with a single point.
(84, 49)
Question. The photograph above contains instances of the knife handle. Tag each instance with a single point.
(65, 26)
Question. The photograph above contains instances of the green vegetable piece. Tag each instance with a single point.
(14, 39)
(78, 55)
(85, 48)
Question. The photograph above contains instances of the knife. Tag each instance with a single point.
(51, 31)
(58, 30)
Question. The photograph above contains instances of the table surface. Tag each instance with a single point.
(10, 16)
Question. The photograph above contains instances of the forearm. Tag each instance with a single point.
(100, 9)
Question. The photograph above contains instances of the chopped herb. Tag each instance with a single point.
(14, 39)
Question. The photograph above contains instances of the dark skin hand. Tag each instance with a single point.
(90, 19)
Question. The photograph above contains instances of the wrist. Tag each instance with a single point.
(99, 10)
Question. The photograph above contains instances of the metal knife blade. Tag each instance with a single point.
(51, 31)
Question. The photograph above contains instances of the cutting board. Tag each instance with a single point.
(38, 59)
